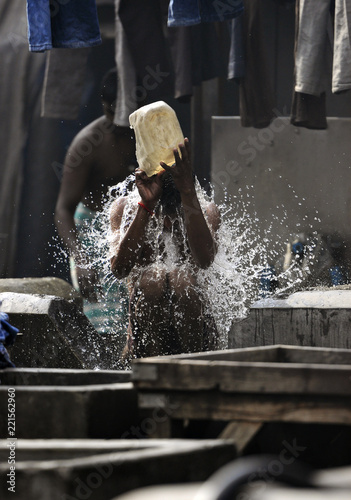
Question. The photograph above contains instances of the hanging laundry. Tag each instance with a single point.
(236, 64)
(190, 12)
(158, 63)
(307, 110)
(126, 100)
(180, 42)
(62, 24)
(209, 60)
(256, 97)
(323, 34)
(142, 24)
(64, 69)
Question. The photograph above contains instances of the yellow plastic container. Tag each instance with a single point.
(157, 133)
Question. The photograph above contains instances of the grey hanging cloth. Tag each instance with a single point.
(65, 69)
(236, 64)
(126, 101)
(143, 25)
(308, 110)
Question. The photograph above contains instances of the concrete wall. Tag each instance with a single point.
(54, 333)
(316, 318)
(297, 180)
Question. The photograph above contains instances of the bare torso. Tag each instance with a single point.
(171, 246)
(169, 249)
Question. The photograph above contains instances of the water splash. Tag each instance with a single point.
(234, 280)
(229, 285)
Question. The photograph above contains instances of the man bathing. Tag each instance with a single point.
(167, 313)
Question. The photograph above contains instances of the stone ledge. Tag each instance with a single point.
(55, 333)
(61, 376)
(316, 299)
(102, 411)
(42, 286)
(317, 318)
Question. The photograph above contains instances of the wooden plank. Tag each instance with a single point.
(146, 371)
(235, 376)
(241, 433)
(298, 378)
(173, 373)
(274, 353)
(262, 353)
(316, 355)
(260, 408)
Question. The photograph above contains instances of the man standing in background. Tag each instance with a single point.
(100, 156)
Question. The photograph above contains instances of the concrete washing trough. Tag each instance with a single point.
(58, 403)
(100, 470)
(71, 423)
(316, 318)
(42, 286)
(55, 333)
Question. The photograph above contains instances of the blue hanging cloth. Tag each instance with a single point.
(62, 24)
(191, 12)
(7, 338)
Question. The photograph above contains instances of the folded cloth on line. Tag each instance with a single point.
(53, 23)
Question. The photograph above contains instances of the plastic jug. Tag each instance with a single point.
(157, 133)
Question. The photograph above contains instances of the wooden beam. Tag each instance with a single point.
(250, 407)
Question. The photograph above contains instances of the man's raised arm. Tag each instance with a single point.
(200, 234)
